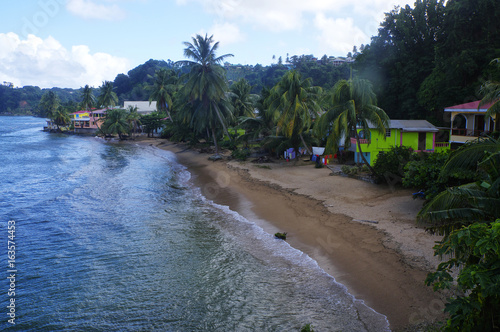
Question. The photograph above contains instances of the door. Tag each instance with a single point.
(421, 141)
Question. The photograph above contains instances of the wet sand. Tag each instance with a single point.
(331, 218)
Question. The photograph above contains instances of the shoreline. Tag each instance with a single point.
(383, 264)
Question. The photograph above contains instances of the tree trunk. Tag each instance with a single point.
(223, 125)
(305, 145)
(361, 153)
(215, 140)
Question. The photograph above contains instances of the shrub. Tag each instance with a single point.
(423, 173)
(241, 154)
(389, 165)
(476, 257)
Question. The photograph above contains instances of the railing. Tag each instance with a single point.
(442, 144)
(361, 141)
(468, 132)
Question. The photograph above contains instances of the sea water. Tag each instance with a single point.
(115, 237)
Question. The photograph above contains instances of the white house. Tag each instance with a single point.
(143, 107)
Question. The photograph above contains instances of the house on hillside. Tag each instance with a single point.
(469, 122)
(86, 122)
(143, 107)
(419, 135)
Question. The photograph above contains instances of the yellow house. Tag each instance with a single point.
(469, 122)
(419, 135)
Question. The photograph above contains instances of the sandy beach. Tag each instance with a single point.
(362, 234)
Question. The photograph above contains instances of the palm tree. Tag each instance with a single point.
(162, 90)
(205, 102)
(294, 105)
(352, 105)
(477, 201)
(60, 117)
(107, 97)
(88, 98)
(115, 123)
(491, 92)
(242, 99)
(133, 118)
(49, 103)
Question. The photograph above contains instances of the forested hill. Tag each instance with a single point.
(134, 84)
(425, 57)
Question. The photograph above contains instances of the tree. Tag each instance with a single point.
(477, 201)
(162, 90)
(107, 97)
(49, 103)
(351, 105)
(491, 94)
(205, 104)
(475, 254)
(242, 99)
(115, 123)
(60, 117)
(294, 105)
(88, 98)
(133, 118)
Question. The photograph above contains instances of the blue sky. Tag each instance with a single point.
(70, 43)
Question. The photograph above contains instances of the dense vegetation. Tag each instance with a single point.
(424, 58)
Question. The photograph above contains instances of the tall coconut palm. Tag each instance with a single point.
(491, 94)
(107, 97)
(88, 98)
(205, 105)
(49, 103)
(351, 105)
(294, 103)
(162, 90)
(478, 201)
(133, 118)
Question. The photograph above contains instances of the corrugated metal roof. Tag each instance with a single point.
(472, 106)
(411, 125)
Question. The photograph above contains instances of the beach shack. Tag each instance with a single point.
(469, 122)
(419, 135)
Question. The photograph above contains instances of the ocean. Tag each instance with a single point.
(100, 236)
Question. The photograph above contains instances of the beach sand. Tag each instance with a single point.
(330, 218)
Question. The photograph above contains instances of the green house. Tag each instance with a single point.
(419, 135)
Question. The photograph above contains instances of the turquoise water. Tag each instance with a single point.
(113, 237)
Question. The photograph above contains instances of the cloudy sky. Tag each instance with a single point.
(70, 43)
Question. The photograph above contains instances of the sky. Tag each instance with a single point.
(71, 43)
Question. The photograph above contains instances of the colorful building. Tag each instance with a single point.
(469, 122)
(87, 121)
(419, 135)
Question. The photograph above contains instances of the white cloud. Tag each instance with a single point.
(338, 36)
(46, 63)
(226, 33)
(88, 9)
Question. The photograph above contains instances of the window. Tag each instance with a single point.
(387, 133)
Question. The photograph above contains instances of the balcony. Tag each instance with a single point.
(469, 132)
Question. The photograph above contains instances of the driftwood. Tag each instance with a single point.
(370, 221)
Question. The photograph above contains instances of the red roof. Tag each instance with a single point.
(470, 106)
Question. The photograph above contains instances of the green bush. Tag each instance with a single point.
(389, 165)
(423, 173)
(474, 252)
(241, 154)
